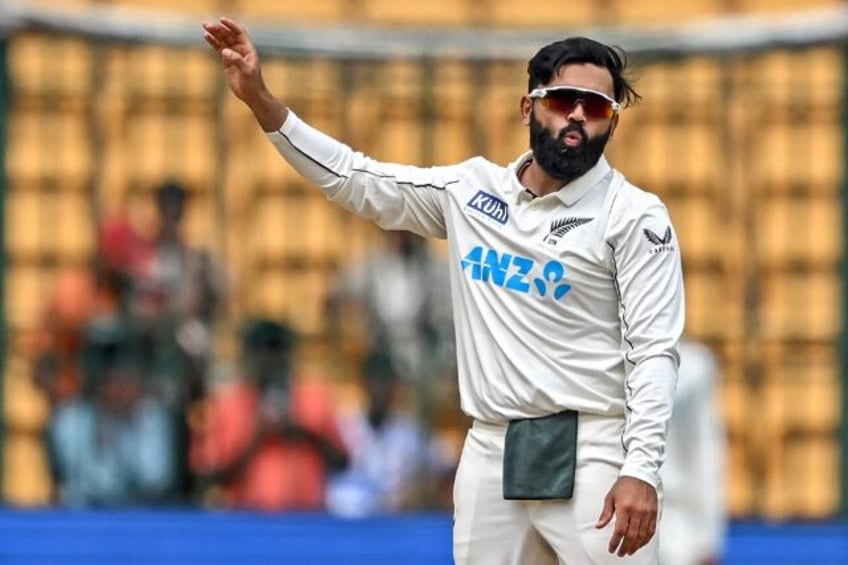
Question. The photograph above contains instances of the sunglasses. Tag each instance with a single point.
(564, 99)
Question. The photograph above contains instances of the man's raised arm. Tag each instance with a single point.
(243, 72)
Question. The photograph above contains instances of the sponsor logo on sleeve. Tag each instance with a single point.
(660, 244)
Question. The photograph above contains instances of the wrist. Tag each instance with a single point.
(268, 111)
(636, 473)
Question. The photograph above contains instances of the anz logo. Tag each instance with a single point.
(516, 273)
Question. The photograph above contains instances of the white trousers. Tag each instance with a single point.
(489, 530)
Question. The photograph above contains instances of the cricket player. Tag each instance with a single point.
(568, 302)
(694, 511)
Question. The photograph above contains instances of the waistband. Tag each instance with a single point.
(496, 427)
(584, 418)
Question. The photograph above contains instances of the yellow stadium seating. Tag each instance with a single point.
(746, 151)
(49, 145)
(805, 231)
(801, 305)
(55, 66)
(26, 289)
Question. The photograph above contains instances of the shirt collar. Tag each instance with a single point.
(576, 189)
(570, 193)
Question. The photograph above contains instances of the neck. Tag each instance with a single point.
(169, 236)
(537, 181)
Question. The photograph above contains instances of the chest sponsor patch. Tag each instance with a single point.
(490, 206)
(515, 273)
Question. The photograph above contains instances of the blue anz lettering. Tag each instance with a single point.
(473, 259)
(514, 272)
(496, 267)
(516, 281)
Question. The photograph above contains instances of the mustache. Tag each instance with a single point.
(557, 158)
(573, 127)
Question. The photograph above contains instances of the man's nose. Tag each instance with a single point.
(576, 114)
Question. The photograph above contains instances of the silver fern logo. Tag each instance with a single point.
(660, 243)
(562, 226)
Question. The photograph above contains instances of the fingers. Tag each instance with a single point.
(228, 56)
(648, 528)
(230, 40)
(633, 530)
(219, 32)
(213, 42)
(233, 27)
(632, 540)
(232, 58)
(226, 31)
(607, 513)
(635, 505)
(619, 533)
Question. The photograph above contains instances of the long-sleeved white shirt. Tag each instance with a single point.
(573, 300)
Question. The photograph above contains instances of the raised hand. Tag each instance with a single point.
(243, 71)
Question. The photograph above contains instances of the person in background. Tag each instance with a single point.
(389, 459)
(398, 298)
(175, 298)
(96, 292)
(402, 292)
(268, 440)
(694, 513)
(114, 445)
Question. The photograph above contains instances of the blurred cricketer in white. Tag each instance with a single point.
(694, 510)
(568, 300)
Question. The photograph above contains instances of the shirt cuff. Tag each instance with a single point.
(650, 478)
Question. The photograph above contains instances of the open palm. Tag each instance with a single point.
(239, 56)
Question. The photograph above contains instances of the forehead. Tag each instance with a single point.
(584, 75)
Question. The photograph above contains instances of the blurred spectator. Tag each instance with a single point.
(175, 298)
(388, 450)
(99, 289)
(123, 256)
(693, 509)
(403, 292)
(96, 291)
(269, 439)
(114, 444)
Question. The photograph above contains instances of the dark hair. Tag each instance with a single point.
(108, 345)
(268, 335)
(171, 191)
(378, 366)
(544, 65)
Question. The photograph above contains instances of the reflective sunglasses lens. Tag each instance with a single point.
(564, 101)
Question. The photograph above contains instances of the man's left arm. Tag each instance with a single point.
(645, 258)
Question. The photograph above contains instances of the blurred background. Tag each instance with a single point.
(194, 338)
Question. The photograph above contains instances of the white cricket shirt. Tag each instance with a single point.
(573, 300)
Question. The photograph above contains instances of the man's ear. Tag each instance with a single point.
(613, 125)
(526, 107)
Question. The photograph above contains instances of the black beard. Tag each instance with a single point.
(558, 159)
